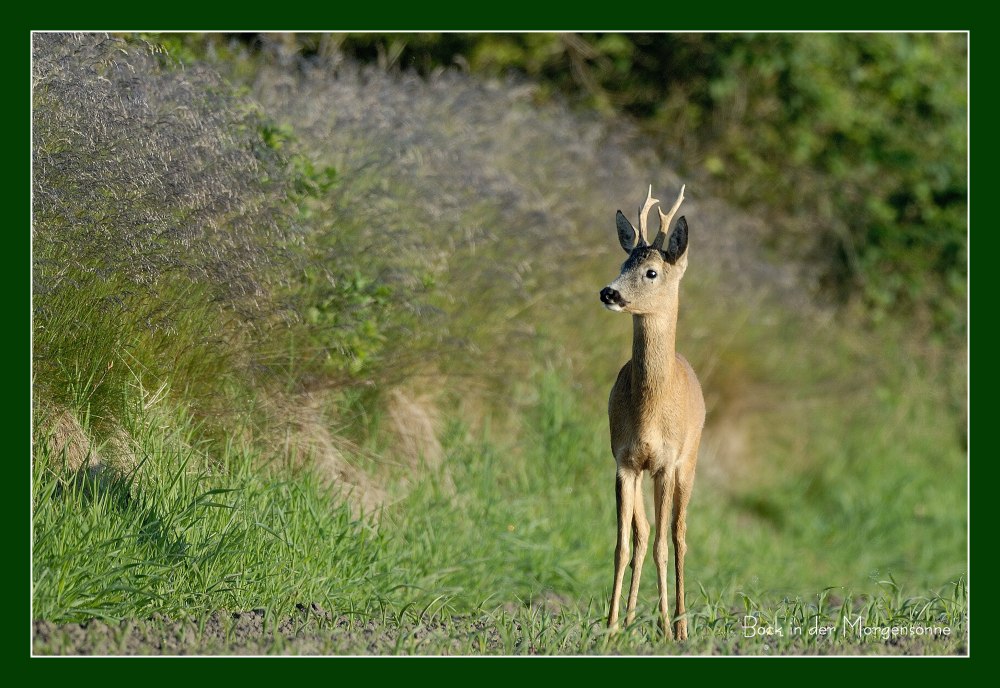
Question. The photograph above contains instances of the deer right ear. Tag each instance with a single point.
(626, 232)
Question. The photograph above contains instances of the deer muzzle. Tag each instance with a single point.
(612, 300)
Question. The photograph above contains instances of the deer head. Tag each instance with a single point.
(651, 271)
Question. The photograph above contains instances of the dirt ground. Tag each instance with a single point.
(315, 631)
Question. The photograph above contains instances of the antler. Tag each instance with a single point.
(666, 219)
(644, 214)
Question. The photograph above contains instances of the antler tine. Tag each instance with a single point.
(644, 215)
(666, 219)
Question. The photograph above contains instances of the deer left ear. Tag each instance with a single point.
(678, 242)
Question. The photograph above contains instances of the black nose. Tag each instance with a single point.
(610, 296)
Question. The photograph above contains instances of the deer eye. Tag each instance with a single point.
(651, 274)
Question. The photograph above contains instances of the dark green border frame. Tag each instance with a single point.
(511, 16)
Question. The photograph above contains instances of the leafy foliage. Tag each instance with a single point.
(858, 142)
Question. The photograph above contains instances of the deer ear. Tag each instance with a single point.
(626, 232)
(678, 241)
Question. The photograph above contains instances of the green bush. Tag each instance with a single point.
(857, 142)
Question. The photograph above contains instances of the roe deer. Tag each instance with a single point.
(656, 409)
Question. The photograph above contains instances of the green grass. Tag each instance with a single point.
(512, 535)
(180, 531)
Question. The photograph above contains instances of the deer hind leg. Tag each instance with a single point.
(682, 494)
(640, 538)
(625, 497)
(663, 488)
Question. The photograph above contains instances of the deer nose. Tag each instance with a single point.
(611, 296)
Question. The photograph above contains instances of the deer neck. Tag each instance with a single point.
(653, 358)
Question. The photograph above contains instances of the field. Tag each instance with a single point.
(320, 368)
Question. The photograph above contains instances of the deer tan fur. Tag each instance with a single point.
(656, 411)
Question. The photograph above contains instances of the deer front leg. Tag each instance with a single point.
(663, 487)
(625, 498)
(640, 538)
